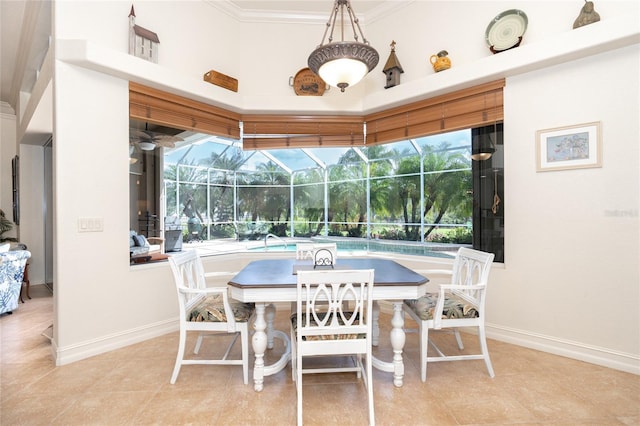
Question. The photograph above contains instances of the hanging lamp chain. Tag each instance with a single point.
(331, 24)
(355, 24)
(495, 120)
(338, 7)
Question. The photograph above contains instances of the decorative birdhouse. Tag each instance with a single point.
(143, 43)
(392, 69)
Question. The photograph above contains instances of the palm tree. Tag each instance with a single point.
(447, 178)
(348, 190)
(380, 190)
(191, 180)
(308, 198)
(406, 186)
(222, 180)
(276, 197)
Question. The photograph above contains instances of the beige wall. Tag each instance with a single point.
(566, 254)
(572, 237)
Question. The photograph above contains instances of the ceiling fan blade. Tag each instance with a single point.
(166, 144)
(139, 134)
(148, 137)
(166, 140)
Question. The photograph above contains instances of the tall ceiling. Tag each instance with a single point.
(25, 27)
(27, 23)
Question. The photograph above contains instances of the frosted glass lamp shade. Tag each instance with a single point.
(343, 72)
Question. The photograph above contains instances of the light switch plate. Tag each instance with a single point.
(90, 224)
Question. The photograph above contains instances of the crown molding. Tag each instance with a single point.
(300, 17)
(6, 109)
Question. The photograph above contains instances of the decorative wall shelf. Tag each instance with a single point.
(575, 44)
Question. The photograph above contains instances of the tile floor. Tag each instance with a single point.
(131, 386)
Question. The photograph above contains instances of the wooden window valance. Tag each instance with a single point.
(476, 106)
(472, 107)
(297, 131)
(162, 108)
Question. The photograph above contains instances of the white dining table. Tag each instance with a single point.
(268, 281)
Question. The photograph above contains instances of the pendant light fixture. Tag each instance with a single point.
(483, 147)
(343, 63)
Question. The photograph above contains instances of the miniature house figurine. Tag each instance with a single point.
(142, 42)
(392, 68)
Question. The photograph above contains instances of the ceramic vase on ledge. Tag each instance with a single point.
(440, 61)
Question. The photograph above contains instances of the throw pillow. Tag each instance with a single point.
(140, 240)
(4, 247)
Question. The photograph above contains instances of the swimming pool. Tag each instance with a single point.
(275, 247)
(385, 246)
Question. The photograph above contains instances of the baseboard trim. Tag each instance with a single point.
(605, 357)
(626, 362)
(87, 349)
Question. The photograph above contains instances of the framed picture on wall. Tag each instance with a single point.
(15, 181)
(569, 147)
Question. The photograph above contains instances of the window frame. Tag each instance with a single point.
(480, 106)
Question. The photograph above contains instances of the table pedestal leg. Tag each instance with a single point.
(375, 335)
(259, 343)
(397, 343)
(270, 314)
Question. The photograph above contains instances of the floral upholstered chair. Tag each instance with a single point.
(458, 304)
(12, 265)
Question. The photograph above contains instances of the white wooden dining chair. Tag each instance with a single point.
(208, 311)
(304, 251)
(325, 255)
(324, 329)
(324, 252)
(458, 304)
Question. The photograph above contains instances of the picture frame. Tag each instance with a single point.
(569, 147)
(15, 183)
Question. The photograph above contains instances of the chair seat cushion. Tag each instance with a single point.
(211, 308)
(454, 307)
(294, 323)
